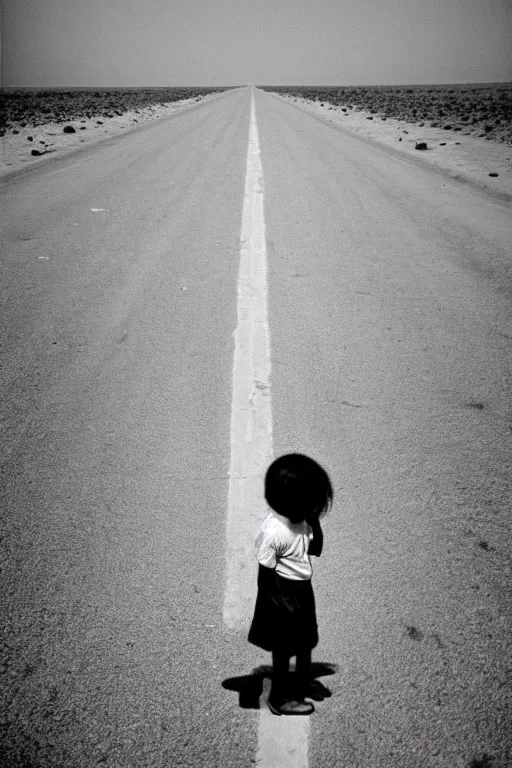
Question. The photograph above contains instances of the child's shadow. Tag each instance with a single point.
(250, 687)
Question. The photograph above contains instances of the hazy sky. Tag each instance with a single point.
(234, 42)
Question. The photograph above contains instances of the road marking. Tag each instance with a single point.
(282, 741)
(251, 415)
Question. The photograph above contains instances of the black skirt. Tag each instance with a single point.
(284, 615)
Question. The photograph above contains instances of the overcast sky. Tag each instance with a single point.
(234, 42)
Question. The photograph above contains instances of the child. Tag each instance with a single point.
(299, 493)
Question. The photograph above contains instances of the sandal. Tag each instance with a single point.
(316, 691)
(292, 707)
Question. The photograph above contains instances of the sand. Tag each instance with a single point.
(468, 158)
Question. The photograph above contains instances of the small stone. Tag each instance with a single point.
(68, 129)
(494, 174)
(414, 633)
(421, 145)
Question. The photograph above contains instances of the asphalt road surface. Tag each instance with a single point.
(390, 291)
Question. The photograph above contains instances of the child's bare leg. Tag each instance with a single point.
(303, 668)
(306, 685)
(281, 665)
(282, 700)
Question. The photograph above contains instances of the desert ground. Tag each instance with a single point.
(40, 124)
(467, 132)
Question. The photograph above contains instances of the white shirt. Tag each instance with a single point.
(283, 545)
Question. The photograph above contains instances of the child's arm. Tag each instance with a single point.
(317, 544)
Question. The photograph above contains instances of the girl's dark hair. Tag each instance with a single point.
(293, 477)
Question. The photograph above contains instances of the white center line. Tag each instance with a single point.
(251, 415)
(282, 741)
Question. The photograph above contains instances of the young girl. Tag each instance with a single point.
(299, 493)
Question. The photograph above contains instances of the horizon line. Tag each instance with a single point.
(269, 85)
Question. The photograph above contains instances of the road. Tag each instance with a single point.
(390, 322)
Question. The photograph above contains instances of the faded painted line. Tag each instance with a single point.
(251, 415)
(282, 741)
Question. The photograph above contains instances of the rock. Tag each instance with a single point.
(36, 152)
(494, 174)
(369, 118)
(30, 138)
(68, 129)
(421, 145)
(442, 144)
